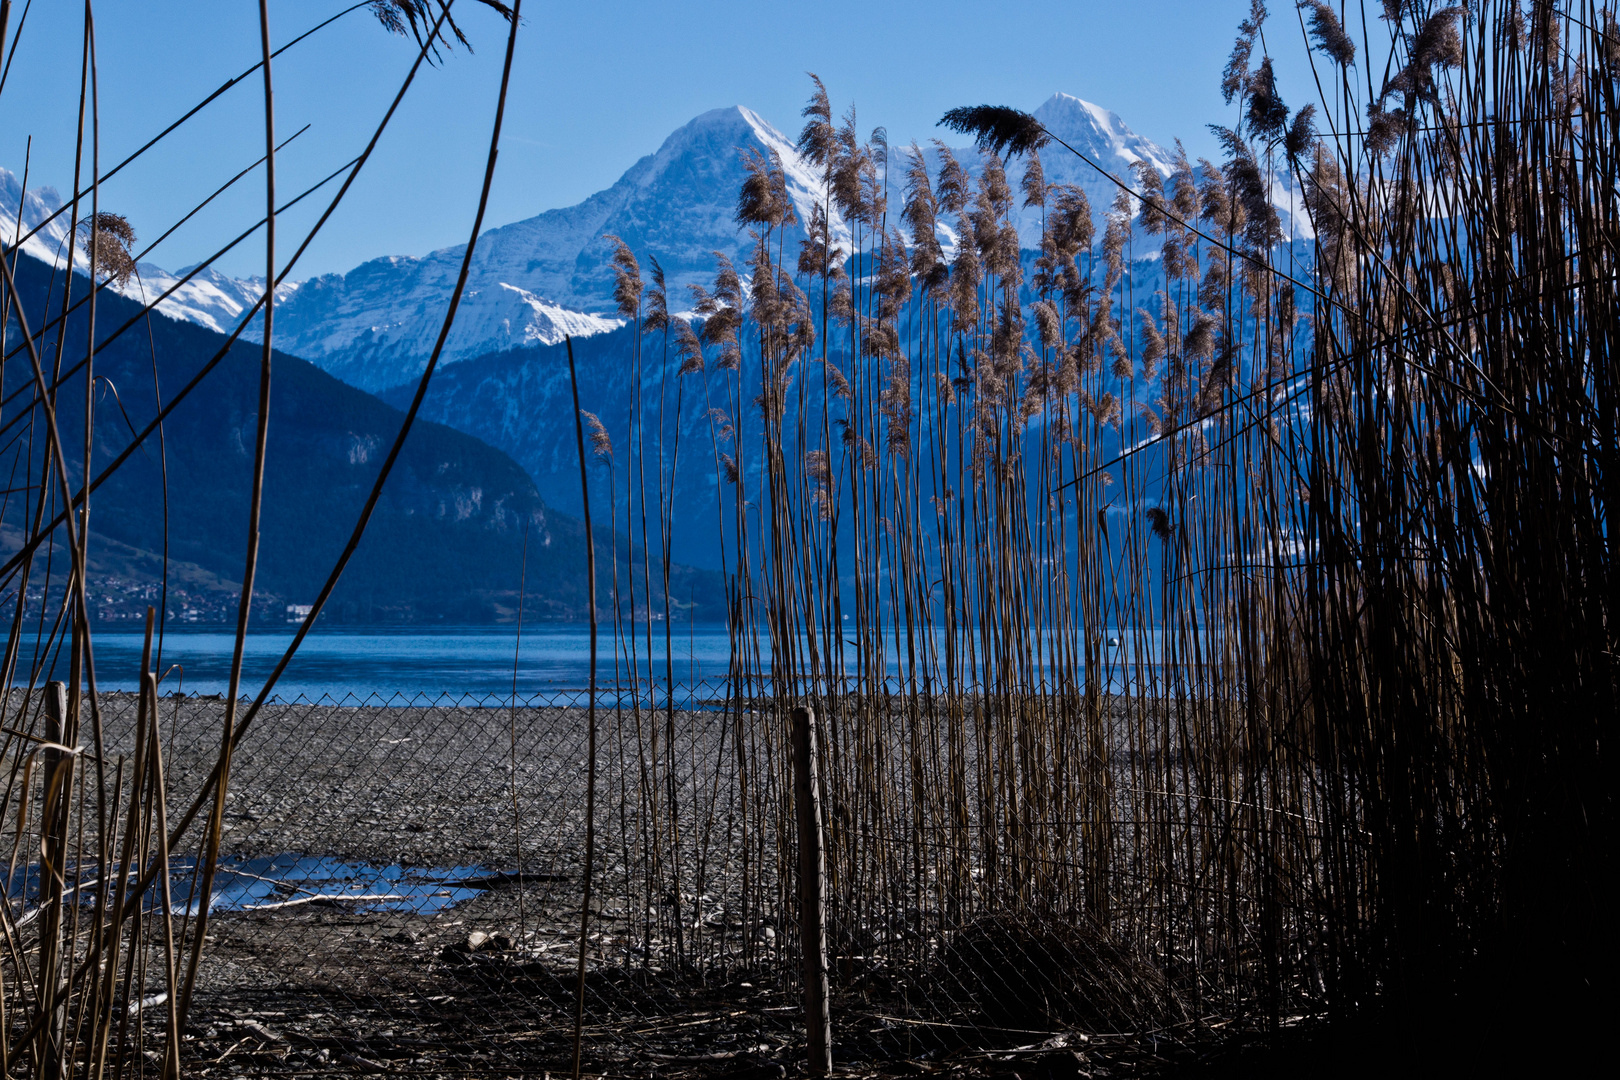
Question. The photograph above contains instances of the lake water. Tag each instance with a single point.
(467, 662)
(337, 661)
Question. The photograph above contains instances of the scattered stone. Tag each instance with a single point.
(263, 1033)
(481, 941)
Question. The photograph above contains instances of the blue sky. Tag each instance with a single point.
(597, 86)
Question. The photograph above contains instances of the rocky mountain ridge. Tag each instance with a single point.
(536, 280)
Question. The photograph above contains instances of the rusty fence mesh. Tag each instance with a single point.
(401, 884)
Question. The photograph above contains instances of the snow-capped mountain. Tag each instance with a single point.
(375, 325)
(1103, 137)
(1098, 132)
(209, 299)
(535, 280)
(519, 400)
(676, 205)
(35, 206)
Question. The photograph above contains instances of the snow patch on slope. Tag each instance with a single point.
(1101, 132)
(534, 280)
(1101, 135)
(209, 298)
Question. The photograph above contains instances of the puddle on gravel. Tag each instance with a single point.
(288, 881)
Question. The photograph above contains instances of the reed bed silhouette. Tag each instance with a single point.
(1200, 623)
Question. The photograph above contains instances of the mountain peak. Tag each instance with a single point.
(1100, 132)
(374, 325)
(535, 280)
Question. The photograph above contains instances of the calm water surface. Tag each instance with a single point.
(363, 661)
(460, 661)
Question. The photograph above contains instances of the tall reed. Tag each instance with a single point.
(1231, 586)
(92, 938)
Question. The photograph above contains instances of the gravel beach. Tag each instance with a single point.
(401, 884)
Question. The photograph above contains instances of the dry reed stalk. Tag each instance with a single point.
(60, 1018)
(222, 771)
(1161, 607)
(590, 783)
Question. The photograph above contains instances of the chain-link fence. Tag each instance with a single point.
(401, 886)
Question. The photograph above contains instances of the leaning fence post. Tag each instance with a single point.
(812, 892)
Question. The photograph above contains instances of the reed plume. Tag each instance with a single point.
(417, 18)
(1188, 610)
(106, 239)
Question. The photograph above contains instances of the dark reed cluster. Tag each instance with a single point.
(1453, 616)
(1234, 608)
(1198, 622)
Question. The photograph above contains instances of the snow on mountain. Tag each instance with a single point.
(209, 299)
(35, 207)
(1099, 132)
(1090, 129)
(1103, 137)
(376, 325)
(494, 315)
(675, 206)
(533, 281)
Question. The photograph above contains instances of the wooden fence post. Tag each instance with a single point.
(812, 892)
(57, 782)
